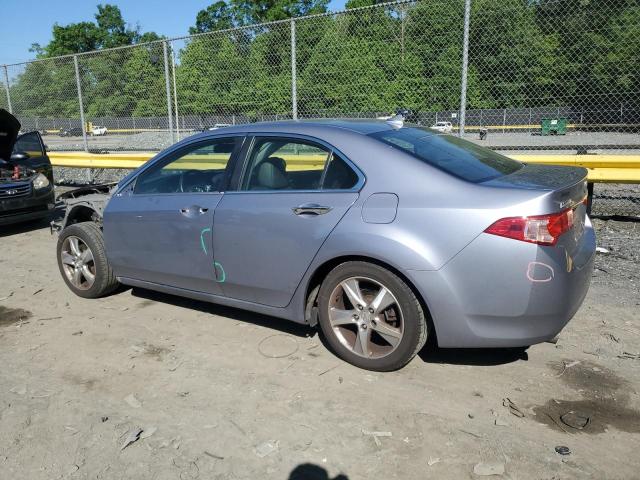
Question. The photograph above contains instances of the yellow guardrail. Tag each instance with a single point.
(602, 168)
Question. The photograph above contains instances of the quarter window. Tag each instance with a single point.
(198, 169)
(292, 164)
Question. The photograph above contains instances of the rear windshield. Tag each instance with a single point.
(458, 157)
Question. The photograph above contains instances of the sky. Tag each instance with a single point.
(23, 22)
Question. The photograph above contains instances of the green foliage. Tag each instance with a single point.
(120, 82)
(217, 16)
(523, 53)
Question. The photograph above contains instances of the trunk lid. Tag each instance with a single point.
(568, 185)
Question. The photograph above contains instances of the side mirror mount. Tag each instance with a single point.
(19, 156)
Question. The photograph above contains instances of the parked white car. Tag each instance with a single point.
(444, 127)
(98, 131)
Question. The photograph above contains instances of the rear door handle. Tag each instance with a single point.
(311, 209)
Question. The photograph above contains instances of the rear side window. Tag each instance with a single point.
(294, 164)
(453, 155)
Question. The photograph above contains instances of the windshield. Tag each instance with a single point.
(453, 155)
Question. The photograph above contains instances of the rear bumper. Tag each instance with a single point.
(499, 292)
(24, 209)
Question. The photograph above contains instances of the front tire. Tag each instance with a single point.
(370, 317)
(82, 261)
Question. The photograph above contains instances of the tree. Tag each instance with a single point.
(257, 11)
(236, 13)
(596, 56)
(112, 82)
(217, 16)
(112, 30)
(73, 38)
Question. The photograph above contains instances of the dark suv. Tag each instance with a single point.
(26, 176)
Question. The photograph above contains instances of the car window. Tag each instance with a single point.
(339, 175)
(453, 155)
(292, 164)
(199, 168)
(29, 143)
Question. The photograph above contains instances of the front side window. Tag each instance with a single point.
(455, 156)
(292, 164)
(197, 169)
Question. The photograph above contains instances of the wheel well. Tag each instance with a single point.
(323, 270)
(82, 213)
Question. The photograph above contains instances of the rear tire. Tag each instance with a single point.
(82, 261)
(370, 317)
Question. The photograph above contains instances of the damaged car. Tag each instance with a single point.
(383, 234)
(26, 175)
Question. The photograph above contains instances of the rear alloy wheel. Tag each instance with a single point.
(370, 316)
(83, 262)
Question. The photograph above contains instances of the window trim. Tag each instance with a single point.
(240, 170)
(176, 152)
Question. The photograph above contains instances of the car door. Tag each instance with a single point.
(158, 227)
(293, 191)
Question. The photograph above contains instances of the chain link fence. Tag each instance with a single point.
(551, 76)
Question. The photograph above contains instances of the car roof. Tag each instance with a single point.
(310, 127)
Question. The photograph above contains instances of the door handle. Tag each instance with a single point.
(189, 211)
(311, 209)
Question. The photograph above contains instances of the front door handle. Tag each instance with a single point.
(311, 209)
(193, 210)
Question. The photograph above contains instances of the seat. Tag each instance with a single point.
(271, 175)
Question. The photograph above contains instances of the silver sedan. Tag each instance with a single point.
(382, 234)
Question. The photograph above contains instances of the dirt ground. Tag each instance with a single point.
(223, 394)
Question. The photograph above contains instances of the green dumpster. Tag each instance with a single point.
(553, 126)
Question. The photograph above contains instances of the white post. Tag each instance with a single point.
(168, 88)
(465, 68)
(175, 92)
(6, 88)
(79, 85)
(294, 77)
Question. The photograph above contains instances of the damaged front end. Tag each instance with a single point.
(84, 204)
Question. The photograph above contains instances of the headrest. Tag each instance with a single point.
(272, 174)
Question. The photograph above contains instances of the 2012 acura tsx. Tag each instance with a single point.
(383, 234)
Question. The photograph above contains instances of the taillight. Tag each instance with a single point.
(540, 229)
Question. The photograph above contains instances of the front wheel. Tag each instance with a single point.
(83, 262)
(370, 316)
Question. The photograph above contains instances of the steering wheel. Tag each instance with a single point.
(206, 184)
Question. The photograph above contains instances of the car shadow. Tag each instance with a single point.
(284, 326)
(24, 227)
(431, 353)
